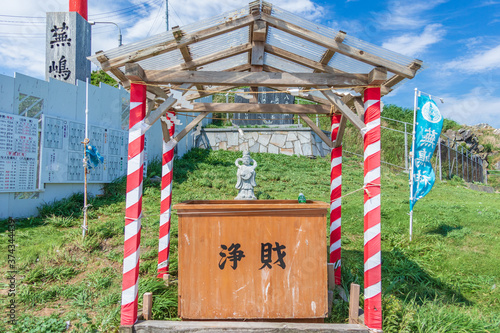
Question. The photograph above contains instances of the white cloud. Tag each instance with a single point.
(477, 106)
(405, 14)
(480, 61)
(415, 44)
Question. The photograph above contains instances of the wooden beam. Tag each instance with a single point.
(257, 79)
(271, 69)
(335, 100)
(340, 133)
(259, 33)
(257, 54)
(258, 108)
(188, 39)
(190, 126)
(319, 67)
(359, 107)
(164, 129)
(328, 55)
(134, 72)
(160, 111)
(377, 76)
(316, 130)
(332, 44)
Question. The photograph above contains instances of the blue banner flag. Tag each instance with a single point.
(93, 157)
(427, 130)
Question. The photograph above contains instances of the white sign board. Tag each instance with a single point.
(62, 152)
(18, 153)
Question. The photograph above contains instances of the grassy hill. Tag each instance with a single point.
(446, 280)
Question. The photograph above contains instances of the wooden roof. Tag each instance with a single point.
(259, 45)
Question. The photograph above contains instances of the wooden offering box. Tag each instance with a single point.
(261, 259)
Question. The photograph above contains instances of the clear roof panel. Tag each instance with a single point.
(222, 65)
(167, 35)
(162, 61)
(349, 65)
(301, 22)
(219, 43)
(285, 65)
(294, 44)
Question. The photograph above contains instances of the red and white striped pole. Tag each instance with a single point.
(133, 211)
(166, 199)
(372, 251)
(335, 201)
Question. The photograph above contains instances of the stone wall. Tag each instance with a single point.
(276, 140)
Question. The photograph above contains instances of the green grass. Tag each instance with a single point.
(446, 280)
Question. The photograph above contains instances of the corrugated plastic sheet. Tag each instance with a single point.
(285, 65)
(222, 65)
(294, 44)
(167, 35)
(275, 38)
(219, 43)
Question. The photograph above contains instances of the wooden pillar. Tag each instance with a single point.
(335, 201)
(372, 246)
(133, 203)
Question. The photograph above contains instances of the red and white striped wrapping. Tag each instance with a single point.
(133, 209)
(166, 200)
(372, 251)
(335, 201)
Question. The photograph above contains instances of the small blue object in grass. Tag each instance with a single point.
(93, 157)
(302, 198)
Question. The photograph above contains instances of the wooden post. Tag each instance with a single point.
(147, 306)
(354, 304)
(331, 276)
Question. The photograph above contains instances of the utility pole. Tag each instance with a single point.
(166, 13)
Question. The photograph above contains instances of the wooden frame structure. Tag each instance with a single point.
(259, 45)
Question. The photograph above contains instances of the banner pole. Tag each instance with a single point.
(413, 160)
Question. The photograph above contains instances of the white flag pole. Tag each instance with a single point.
(85, 170)
(413, 160)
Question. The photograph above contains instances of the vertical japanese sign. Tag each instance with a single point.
(429, 124)
(67, 47)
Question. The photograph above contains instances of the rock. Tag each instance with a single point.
(255, 148)
(262, 149)
(278, 140)
(264, 139)
(155, 179)
(288, 144)
(467, 135)
(273, 149)
(497, 131)
(480, 148)
(497, 166)
(286, 151)
(297, 148)
(232, 139)
(292, 137)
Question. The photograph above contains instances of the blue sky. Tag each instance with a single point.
(459, 41)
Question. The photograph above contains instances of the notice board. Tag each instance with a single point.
(18, 153)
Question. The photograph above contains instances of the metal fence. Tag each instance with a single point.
(448, 161)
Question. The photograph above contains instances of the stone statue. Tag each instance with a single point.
(246, 177)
